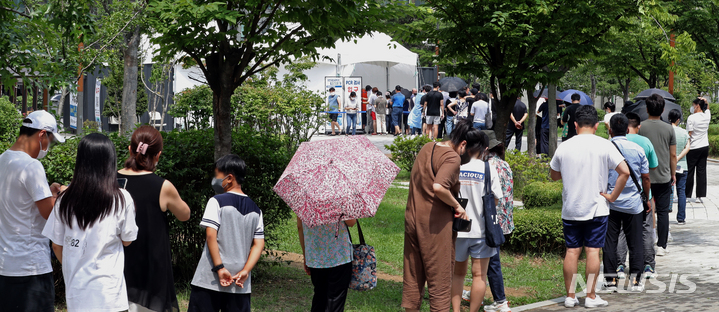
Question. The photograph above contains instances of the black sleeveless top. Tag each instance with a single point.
(148, 261)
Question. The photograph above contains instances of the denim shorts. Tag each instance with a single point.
(589, 233)
(475, 247)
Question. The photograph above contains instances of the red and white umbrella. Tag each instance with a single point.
(337, 179)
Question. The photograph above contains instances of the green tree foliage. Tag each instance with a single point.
(234, 40)
(194, 106)
(113, 84)
(405, 149)
(523, 42)
(700, 18)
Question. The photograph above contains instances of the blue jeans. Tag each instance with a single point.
(681, 196)
(480, 126)
(449, 125)
(495, 278)
(396, 116)
(414, 130)
(351, 122)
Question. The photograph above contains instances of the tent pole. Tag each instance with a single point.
(387, 70)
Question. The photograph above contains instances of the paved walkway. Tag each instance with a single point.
(688, 274)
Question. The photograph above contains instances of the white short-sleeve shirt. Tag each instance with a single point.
(698, 125)
(471, 177)
(24, 251)
(93, 260)
(584, 162)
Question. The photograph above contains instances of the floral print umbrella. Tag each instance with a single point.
(337, 179)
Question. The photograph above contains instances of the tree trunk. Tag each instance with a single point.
(223, 127)
(593, 91)
(532, 123)
(552, 94)
(129, 81)
(504, 109)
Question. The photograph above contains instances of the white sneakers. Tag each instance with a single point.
(465, 295)
(594, 303)
(661, 251)
(498, 307)
(588, 303)
(571, 302)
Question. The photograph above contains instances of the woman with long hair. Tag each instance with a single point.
(150, 284)
(698, 128)
(431, 208)
(91, 222)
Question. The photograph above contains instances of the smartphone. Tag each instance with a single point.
(122, 182)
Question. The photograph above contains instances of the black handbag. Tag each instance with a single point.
(645, 199)
(458, 224)
(493, 235)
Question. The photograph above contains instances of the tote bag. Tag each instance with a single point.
(364, 264)
(493, 235)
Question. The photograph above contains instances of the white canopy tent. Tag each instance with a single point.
(380, 61)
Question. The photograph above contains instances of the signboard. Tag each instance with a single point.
(98, 86)
(354, 84)
(337, 83)
(73, 110)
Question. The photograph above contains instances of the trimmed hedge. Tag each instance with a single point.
(714, 145)
(542, 194)
(404, 150)
(537, 231)
(526, 170)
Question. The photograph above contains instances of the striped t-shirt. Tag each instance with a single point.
(238, 222)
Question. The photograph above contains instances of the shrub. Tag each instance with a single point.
(526, 170)
(10, 121)
(714, 145)
(194, 106)
(714, 108)
(714, 129)
(601, 113)
(537, 231)
(542, 194)
(404, 150)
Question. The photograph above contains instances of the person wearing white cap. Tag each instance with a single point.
(26, 200)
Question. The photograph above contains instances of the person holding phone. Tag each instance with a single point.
(431, 208)
(26, 200)
(472, 243)
(150, 284)
(92, 221)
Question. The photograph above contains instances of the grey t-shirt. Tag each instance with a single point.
(238, 222)
(662, 136)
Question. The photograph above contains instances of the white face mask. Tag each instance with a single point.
(332, 93)
(353, 98)
(42, 152)
(691, 109)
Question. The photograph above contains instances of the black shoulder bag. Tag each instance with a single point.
(645, 200)
(458, 224)
(493, 235)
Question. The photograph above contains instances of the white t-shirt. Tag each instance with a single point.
(93, 260)
(479, 110)
(372, 99)
(584, 162)
(608, 117)
(471, 177)
(698, 124)
(23, 249)
(539, 104)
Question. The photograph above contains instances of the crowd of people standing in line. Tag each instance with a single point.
(110, 230)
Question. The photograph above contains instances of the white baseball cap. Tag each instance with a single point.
(43, 120)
